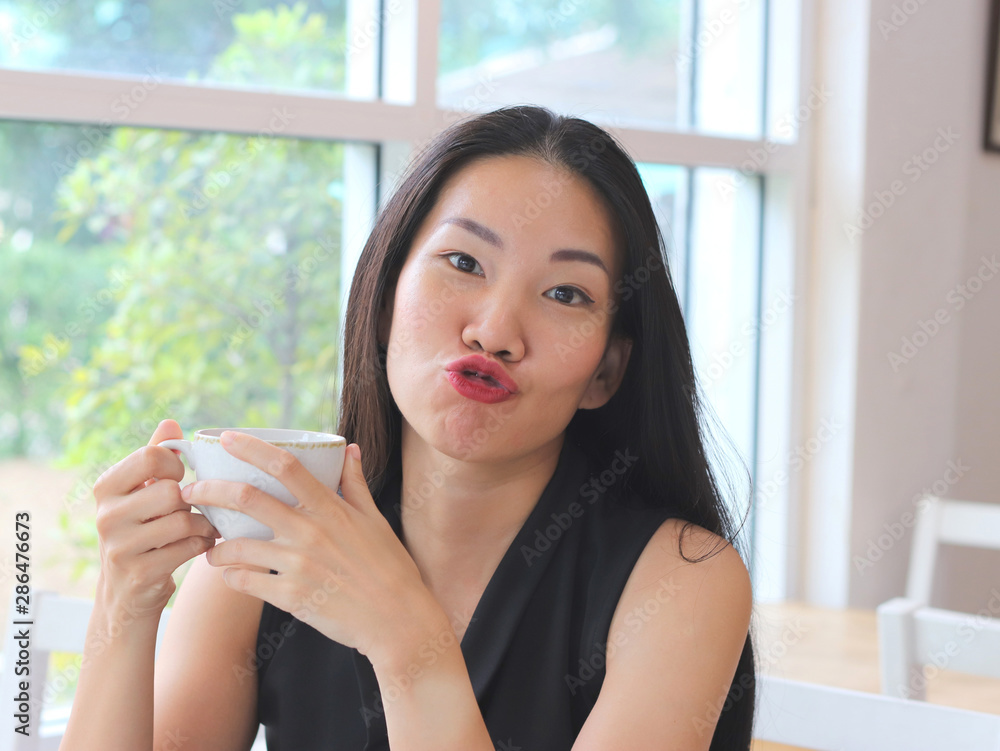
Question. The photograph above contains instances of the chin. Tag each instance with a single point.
(469, 446)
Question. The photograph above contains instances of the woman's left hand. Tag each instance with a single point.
(341, 567)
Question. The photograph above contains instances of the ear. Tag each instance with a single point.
(385, 311)
(609, 373)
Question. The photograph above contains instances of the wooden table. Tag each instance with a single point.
(840, 648)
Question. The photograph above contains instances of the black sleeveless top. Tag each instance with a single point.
(535, 646)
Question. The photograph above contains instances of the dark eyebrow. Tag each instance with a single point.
(572, 254)
(486, 234)
(481, 231)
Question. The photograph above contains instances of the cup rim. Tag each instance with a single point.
(283, 437)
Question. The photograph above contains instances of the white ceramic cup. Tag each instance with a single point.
(320, 453)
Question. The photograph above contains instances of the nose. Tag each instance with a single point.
(495, 327)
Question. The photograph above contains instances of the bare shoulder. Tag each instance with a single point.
(674, 643)
(205, 679)
(678, 543)
(690, 573)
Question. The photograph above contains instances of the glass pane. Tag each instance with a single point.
(722, 308)
(714, 263)
(166, 274)
(657, 64)
(726, 54)
(298, 45)
(608, 61)
(667, 186)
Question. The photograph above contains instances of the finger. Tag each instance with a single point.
(168, 529)
(172, 555)
(132, 472)
(241, 496)
(165, 430)
(353, 486)
(154, 502)
(254, 583)
(247, 552)
(277, 462)
(150, 503)
(274, 590)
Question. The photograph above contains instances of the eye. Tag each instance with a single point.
(468, 263)
(567, 294)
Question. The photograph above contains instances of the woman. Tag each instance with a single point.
(508, 563)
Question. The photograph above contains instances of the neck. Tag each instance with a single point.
(459, 516)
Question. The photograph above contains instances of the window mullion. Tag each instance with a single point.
(428, 28)
(363, 39)
(146, 102)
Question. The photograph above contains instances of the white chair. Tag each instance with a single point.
(58, 624)
(912, 634)
(825, 718)
(951, 522)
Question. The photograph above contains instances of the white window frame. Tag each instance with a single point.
(408, 115)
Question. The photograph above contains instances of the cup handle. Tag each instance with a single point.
(183, 446)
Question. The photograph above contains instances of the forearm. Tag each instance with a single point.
(113, 704)
(428, 698)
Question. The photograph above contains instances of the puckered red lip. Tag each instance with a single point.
(482, 366)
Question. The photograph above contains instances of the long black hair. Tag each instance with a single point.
(657, 411)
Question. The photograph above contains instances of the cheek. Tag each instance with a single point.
(576, 350)
(422, 302)
(409, 316)
(581, 374)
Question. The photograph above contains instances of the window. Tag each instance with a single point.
(657, 64)
(179, 270)
(712, 232)
(185, 187)
(245, 44)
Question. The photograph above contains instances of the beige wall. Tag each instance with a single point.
(966, 578)
(914, 421)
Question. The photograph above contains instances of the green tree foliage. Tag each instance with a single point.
(229, 246)
(73, 225)
(214, 272)
(45, 287)
(175, 38)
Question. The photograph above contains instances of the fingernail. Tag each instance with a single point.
(355, 451)
(226, 437)
(186, 491)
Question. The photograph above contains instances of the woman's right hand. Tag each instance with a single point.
(146, 530)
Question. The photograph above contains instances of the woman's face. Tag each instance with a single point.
(481, 279)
